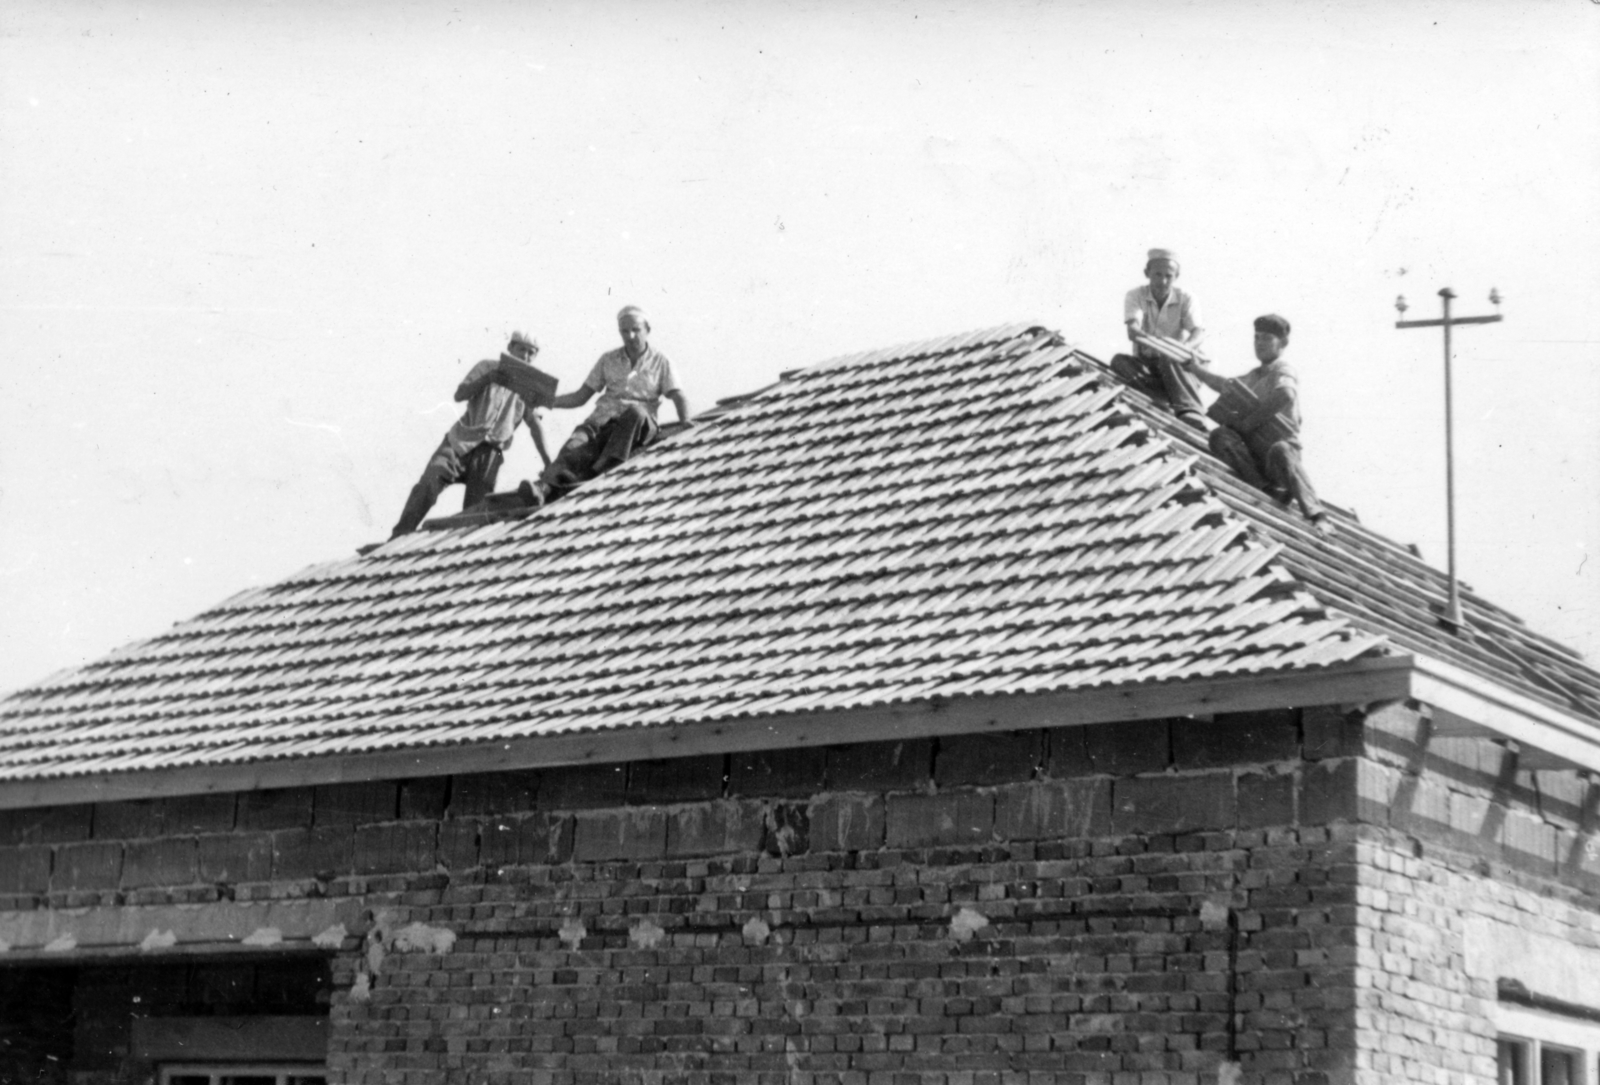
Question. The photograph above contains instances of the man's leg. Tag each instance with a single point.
(1181, 391)
(479, 471)
(1229, 446)
(571, 465)
(631, 430)
(442, 470)
(1285, 469)
(1164, 381)
(1137, 372)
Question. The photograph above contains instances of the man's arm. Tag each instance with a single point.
(1205, 376)
(1132, 313)
(478, 378)
(681, 403)
(536, 431)
(1190, 330)
(574, 399)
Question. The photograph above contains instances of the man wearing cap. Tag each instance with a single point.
(1161, 308)
(631, 380)
(474, 447)
(1262, 444)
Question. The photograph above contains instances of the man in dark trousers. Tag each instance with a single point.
(1162, 309)
(631, 381)
(474, 447)
(1260, 439)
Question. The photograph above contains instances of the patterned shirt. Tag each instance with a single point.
(1180, 313)
(620, 381)
(491, 416)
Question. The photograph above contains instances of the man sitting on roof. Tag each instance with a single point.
(1259, 435)
(474, 447)
(631, 381)
(1160, 308)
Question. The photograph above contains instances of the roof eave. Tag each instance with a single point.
(1466, 705)
(1362, 681)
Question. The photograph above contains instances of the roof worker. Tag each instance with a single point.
(1260, 437)
(630, 381)
(1161, 308)
(474, 447)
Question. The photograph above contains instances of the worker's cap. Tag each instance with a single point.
(522, 339)
(1161, 254)
(634, 310)
(1274, 324)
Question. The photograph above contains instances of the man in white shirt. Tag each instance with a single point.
(474, 447)
(1161, 308)
(631, 382)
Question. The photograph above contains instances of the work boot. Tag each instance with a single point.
(532, 494)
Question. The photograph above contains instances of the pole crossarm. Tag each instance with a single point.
(1452, 320)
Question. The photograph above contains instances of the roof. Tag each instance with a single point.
(987, 514)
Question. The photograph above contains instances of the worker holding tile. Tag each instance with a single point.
(631, 381)
(1162, 308)
(473, 449)
(1259, 415)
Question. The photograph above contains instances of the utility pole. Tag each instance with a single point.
(1452, 613)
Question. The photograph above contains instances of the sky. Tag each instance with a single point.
(248, 251)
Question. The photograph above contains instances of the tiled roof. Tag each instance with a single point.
(989, 513)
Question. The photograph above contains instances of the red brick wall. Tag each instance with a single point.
(1136, 902)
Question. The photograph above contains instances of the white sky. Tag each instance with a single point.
(247, 251)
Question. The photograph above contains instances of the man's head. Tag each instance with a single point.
(1161, 268)
(522, 346)
(1272, 335)
(634, 327)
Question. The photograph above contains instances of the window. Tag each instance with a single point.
(1541, 1048)
(242, 1074)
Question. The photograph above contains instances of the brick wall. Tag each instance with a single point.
(1455, 832)
(1139, 902)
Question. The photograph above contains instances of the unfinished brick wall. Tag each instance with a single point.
(1137, 902)
(1454, 831)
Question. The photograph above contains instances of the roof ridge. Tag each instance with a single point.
(917, 348)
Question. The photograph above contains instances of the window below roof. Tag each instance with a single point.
(1535, 1047)
(245, 1074)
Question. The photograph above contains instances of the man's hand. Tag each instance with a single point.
(681, 403)
(576, 398)
(469, 388)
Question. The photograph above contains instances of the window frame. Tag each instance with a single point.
(1534, 1030)
(217, 1072)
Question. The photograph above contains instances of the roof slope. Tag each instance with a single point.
(989, 513)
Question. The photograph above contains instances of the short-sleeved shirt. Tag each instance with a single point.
(1263, 380)
(491, 417)
(620, 382)
(1178, 314)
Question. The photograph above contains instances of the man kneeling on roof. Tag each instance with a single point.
(474, 447)
(1259, 434)
(1163, 310)
(631, 381)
